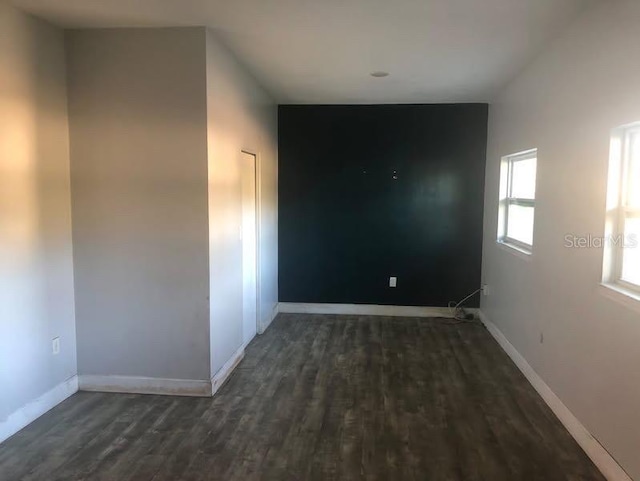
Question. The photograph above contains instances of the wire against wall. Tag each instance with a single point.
(458, 312)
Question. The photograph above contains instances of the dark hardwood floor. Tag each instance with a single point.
(319, 398)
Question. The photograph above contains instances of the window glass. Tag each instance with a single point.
(633, 180)
(631, 251)
(523, 178)
(520, 223)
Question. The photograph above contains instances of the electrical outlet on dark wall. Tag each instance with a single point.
(367, 193)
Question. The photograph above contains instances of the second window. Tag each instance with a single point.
(518, 199)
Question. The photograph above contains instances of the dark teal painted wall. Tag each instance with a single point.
(369, 192)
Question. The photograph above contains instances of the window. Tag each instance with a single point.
(518, 200)
(622, 256)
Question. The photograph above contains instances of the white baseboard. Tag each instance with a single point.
(363, 310)
(145, 385)
(225, 371)
(36, 408)
(274, 313)
(598, 454)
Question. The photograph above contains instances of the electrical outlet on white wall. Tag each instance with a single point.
(393, 281)
(55, 345)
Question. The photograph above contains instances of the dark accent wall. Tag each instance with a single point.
(372, 191)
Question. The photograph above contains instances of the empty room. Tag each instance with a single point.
(289, 240)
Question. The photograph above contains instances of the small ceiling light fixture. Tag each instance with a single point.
(379, 74)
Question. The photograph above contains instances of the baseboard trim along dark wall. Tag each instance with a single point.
(369, 192)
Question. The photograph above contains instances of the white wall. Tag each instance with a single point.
(139, 188)
(155, 114)
(139, 102)
(566, 104)
(36, 269)
(241, 115)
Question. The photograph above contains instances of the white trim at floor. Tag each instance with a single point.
(363, 310)
(116, 384)
(33, 410)
(272, 316)
(225, 371)
(598, 454)
(144, 385)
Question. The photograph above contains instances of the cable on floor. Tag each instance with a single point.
(457, 311)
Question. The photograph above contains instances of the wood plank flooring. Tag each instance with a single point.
(319, 398)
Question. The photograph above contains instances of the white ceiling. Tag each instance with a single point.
(322, 51)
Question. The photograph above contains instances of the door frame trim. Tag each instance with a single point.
(258, 207)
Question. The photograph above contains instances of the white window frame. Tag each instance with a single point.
(507, 199)
(617, 209)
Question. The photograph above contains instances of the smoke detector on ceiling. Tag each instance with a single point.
(379, 74)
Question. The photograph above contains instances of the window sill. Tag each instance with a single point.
(515, 250)
(620, 294)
